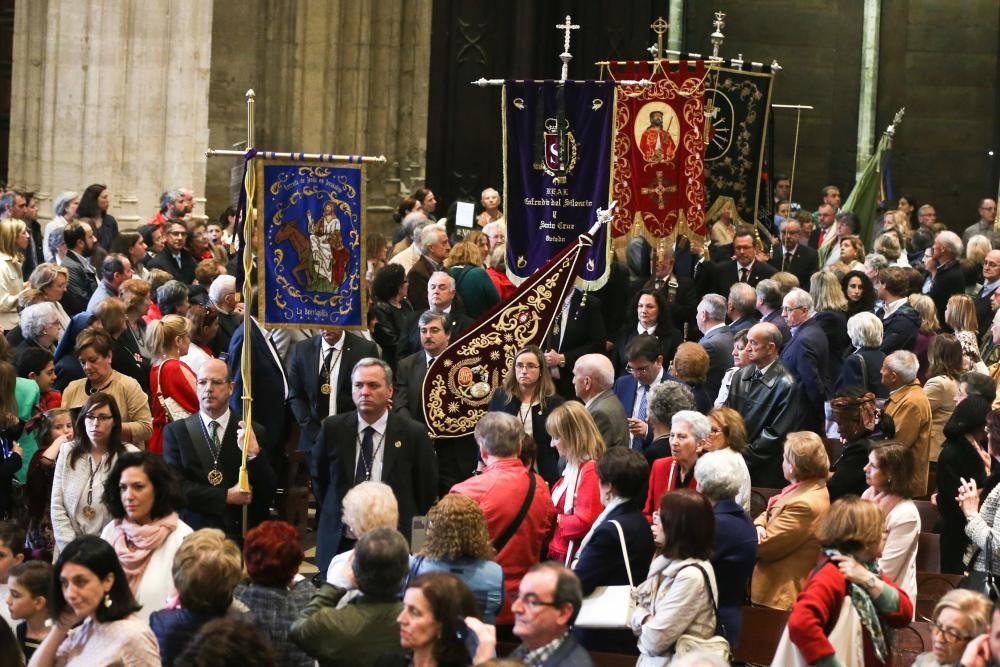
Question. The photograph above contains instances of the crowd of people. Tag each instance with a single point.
(844, 380)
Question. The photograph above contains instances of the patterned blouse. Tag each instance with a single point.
(980, 528)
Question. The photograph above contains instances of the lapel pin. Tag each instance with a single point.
(397, 444)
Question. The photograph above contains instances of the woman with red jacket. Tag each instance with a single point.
(689, 434)
(852, 535)
(577, 494)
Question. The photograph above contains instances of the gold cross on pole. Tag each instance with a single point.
(660, 27)
(566, 56)
(659, 190)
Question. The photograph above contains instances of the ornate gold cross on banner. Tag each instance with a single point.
(658, 191)
(660, 27)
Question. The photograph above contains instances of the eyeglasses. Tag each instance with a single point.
(950, 635)
(526, 367)
(786, 309)
(716, 431)
(531, 601)
(91, 417)
(629, 368)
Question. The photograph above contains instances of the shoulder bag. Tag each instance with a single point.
(982, 581)
(846, 638)
(504, 538)
(610, 607)
(717, 644)
(171, 408)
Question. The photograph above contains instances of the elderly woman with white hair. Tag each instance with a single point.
(51, 280)
(735, 550)
(689, 433)
(366, 506)
(64, 208)
(861, 366)
(40, 326)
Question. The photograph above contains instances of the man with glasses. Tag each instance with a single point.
(984, 298)
(205, 450)
(175, 258)
(545, 606)
(807, 357)
(767, 397)
(645, 370)
(791, 255)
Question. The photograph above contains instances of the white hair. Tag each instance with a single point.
(598, 368)
(952, 242)
(221, 287)
(701, 428)
(798, 298)
(429, 235)
(713, 305)
(718, 476)
(36, 317)
(865, 330)
(904, 364)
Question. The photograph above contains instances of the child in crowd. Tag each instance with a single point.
(37, 364)
(27, 601)
(11, 553)
(11, 430)
(54, 428)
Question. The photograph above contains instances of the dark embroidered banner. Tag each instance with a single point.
(658, 160)
(309, 239)
(737, 105)
(557, 155)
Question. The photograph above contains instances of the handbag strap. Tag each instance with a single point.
(621, 538)
(523, 512)
(711, 596)
(414, 570)
(864, 369)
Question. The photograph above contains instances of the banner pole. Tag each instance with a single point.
(249, 184)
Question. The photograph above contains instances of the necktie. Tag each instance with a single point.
(362, 472)
(323, 404)
(641, 414)
(743, 274)
(214, 425)
(430, 360)
(177, 258)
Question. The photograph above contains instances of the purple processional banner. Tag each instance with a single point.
(557, 162)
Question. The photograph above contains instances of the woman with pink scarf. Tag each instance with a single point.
(141, 497)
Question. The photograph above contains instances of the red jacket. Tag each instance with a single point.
(816, 610)
(500, 491)
(575, 525)
(503, 284)
(663, 477)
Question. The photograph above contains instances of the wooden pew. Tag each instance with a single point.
(760, 634)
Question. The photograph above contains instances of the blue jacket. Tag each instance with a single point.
(807, 357)
(733, 559)
(483, 577)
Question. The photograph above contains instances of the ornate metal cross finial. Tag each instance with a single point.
(566, 56)
(717, 37)
(660, 27)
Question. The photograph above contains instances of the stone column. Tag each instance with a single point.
(331, 76)
(112, 93)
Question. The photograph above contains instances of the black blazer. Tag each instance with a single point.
(460, 323)
(851, 373)
(682, 302)
(585, 334)
(81, 283)
(227, 326)
(956, 461)
(804, 263)
(270, 409)
(720, 276)
(899, 330)
(164, 260)
(669, 340)
(407, 396)
(303, 382)
(848, 476)
(949, 281)
(547, 458)
(186, 450)
(409, 467)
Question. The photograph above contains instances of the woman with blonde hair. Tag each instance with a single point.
(728, 438)
(976, 250)
(959, 617)
(830, 305)
(929, 327)
(473, 285)
(851, 535)
(366, 506)
(528, 393)
(852, 255)
(171, 381)
(459, 542)
(51, 280)
(13, 241)
(960, 315)
(577, 494)
(787, 543)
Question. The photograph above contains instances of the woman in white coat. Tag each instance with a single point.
(141, 496)
(677, 597)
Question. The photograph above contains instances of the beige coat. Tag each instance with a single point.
(789, 549)
(940, 391)
(911, 412)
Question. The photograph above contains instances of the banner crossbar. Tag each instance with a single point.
(322, 157)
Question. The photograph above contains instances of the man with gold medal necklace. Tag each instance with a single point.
(205, 452)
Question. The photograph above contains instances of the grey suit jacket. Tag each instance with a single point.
(719, 344)
(610, 418)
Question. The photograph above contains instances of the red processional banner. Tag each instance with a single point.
(658, 163)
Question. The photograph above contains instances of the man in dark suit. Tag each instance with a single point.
(743, 268)
(174, 258)
(593, 378)
(984, 298)
(319, 380)
(205, 452)
(947, 278)
(441, 296)
(223, 295)
(900, 322)
(767, 397)
(557, 586)
(769, 298)
(457, 457)
(371, 444)
(269, 388)
(82, 279)
(793, 257)
(578, 330)
(434, 249)
(742, 307)
(717, 339)
(807, 357)
(645, 364)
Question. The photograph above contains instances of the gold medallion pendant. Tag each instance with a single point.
(89, 512)
(215, 477)
(325, 389)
